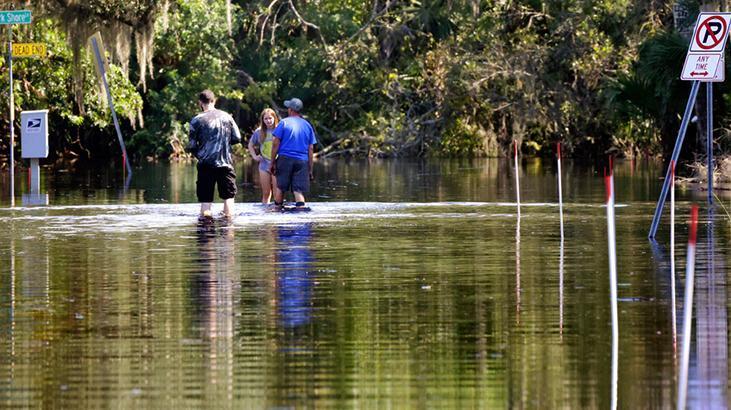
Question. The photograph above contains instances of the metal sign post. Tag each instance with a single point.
(100, 60)
(709, 138)
(704, 63)
(10, 17)
(12, 117)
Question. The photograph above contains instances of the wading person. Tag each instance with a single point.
(260, 148)
(212, 133)
(294, 140)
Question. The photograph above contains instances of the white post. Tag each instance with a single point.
(611, 239)
(687, 309)
(517, 176)
(560, 195)
(35, 176)
(560, 256)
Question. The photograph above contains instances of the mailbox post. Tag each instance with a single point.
(34, 143)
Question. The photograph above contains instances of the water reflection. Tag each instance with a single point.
(560, 286)
(367, 304)
(294, 283)
(215, 288)
(663, 268)
(517, 267)
(709, 383)
(295, 336)
(26, 296)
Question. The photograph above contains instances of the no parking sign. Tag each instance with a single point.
(711, 32)
(705, 61)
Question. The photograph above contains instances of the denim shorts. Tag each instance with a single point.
(264, 164)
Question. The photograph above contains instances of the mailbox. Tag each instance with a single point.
(34, 134)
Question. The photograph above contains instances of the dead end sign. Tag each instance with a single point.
(711, 32)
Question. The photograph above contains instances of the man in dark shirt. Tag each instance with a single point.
(212, 133)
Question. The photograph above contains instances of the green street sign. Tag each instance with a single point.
(15, 17)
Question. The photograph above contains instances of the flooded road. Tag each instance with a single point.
(409, 285)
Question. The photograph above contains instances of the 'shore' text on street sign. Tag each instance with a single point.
(15, 17)
(29, 50)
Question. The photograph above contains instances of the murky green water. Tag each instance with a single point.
(409, 285)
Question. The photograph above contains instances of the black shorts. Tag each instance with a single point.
(209, 177)
(293, 174)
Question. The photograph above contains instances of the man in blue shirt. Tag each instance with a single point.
(292, 150)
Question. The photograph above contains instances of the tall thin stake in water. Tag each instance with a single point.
(560, 195)
(560, 256)
(517, 176)
(672, 258)
(688, 308)
(609, 181)
(517, 234)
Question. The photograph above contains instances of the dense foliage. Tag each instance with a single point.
(378, 77)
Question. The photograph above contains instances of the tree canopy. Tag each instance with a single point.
(377, 77)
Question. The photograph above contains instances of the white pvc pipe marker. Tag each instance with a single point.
(611, 239)
(560, 194)
(687, 309)
(517, 176)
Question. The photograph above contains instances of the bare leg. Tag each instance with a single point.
(275, 189)
(228, 206)
(278, 196)
(265, 180)
(206, 209)
(299, 197)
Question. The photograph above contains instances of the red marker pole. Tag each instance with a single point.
(612, 248)
(517, 176)
(688, 308)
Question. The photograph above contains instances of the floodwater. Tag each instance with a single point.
(409, 285)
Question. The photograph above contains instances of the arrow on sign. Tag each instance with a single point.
(704, 73)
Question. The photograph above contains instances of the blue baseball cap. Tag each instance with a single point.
(294, 103)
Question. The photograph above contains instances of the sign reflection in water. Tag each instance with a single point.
(707, 385)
